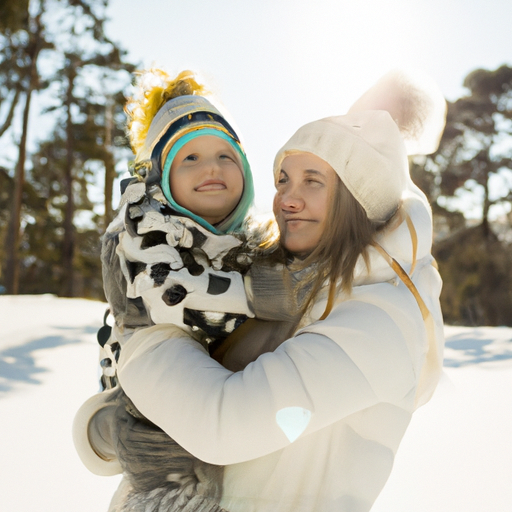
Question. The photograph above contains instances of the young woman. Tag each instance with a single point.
(315, 424)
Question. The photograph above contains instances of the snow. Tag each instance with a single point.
(456, 455)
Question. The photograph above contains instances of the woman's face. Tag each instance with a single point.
(301, 204)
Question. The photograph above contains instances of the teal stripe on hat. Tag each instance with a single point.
(235, 220)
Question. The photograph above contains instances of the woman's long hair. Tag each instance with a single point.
(348, 233)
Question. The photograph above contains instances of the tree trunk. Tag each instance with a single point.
(485, 211)
(12, 266)
(68, 245)
(110, 171)
(10, 115)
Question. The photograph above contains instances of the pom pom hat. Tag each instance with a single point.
(367, 152)
(402, 114)
(168, 114)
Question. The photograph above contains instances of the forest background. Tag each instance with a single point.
(63, 83)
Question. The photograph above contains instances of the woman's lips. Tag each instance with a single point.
(294, 223)
(289, 220)
(210, 185)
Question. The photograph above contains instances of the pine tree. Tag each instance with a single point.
(31, 47)
(87, 58)
(473, 166)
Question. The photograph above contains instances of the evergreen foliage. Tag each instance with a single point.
(13, 15)
(50, 227)
(468, 177)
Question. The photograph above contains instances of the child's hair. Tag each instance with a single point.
(154, 88)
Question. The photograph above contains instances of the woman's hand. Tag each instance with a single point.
(148, 456)
(253, 338)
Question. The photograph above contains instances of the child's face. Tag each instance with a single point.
(206, 178)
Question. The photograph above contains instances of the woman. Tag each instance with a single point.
(315, 425)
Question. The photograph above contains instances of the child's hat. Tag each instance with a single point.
(177, 117)
(165, 115)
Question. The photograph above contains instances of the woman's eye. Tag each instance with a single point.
(282, 178)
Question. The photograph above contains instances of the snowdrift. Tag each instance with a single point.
(456, 455)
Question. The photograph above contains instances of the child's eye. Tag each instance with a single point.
(226, 157)
(190, 158)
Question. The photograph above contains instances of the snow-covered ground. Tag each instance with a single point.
(455, 457)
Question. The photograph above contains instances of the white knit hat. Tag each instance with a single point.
(403, 114)
(367, 152)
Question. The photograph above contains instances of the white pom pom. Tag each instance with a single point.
(416, 104)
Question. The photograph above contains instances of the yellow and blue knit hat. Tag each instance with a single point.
(176, 122)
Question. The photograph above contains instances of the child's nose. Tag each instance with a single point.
(213, 165)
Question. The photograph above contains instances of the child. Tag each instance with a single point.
(192, 182)
(167, 258)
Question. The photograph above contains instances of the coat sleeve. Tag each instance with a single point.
(89, 439)
(309, 382)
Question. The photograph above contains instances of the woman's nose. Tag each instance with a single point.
(291, 200)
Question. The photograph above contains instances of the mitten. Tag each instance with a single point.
(151, 459)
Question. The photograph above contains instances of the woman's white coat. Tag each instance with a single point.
(315, 425)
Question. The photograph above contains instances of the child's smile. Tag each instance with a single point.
(210, 186)
(206, 178)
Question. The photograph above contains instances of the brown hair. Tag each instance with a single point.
(347, 235)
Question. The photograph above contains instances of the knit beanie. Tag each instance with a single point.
(176, 122)
(367, 152)
(403, 114)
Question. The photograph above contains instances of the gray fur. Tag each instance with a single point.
(163, 476)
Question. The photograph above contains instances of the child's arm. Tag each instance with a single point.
(173, 263)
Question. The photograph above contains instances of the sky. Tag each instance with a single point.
(277, 64)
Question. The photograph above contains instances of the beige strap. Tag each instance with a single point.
(402, 274)
(414, 240)
(431, 366)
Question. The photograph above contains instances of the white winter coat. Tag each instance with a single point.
(315, 425)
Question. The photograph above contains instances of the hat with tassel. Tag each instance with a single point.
(163, 116)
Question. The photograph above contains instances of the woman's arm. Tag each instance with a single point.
(92, 437)
(309, 382)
